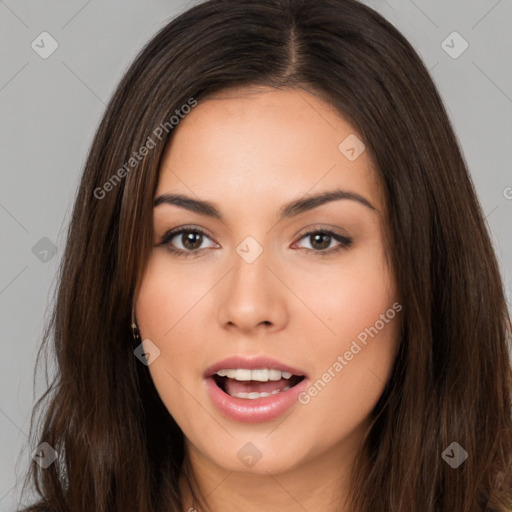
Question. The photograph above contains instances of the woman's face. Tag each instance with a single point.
(248, 282)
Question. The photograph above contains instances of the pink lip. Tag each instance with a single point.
(254, 363)
(259, 409)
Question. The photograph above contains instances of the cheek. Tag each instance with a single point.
(348, 296)
(350, 377)
(170, 312)
(167, 296)
(353, 358)
(163, 316)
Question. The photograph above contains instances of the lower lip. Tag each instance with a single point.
(254, 410)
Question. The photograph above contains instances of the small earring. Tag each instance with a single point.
(135, 329)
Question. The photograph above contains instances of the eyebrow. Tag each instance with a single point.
(288, 210)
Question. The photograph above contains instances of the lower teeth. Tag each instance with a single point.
(253, 395)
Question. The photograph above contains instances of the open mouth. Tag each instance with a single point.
(253, 384)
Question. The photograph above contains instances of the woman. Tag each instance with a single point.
(278, 290)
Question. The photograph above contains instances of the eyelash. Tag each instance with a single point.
(344, 242)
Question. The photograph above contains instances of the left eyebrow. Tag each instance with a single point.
(308, 203)
(288, 210)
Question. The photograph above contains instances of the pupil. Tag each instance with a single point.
(318, 238)
(192, 240)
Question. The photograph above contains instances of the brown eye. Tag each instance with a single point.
(321, 242)
(191, 240)
(186, 241)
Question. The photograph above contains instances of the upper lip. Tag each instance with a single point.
(252, 363)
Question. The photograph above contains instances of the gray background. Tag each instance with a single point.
(51, 107)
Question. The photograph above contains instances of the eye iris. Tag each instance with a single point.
(195, 239)
(322, 239)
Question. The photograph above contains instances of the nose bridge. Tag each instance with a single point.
(250, 267)
(251, 296)
(249, 281)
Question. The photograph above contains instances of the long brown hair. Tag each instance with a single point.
(119, 448)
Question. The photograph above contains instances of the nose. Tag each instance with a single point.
(252, 298)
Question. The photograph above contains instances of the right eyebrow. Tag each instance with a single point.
(194, 205)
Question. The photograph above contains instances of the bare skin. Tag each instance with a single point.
(250, 152)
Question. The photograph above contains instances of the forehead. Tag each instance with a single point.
(261, 144)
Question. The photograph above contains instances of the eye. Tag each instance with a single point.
(325, 241)
(186, 240)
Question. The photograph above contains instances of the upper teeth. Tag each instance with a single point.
(262, 375)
